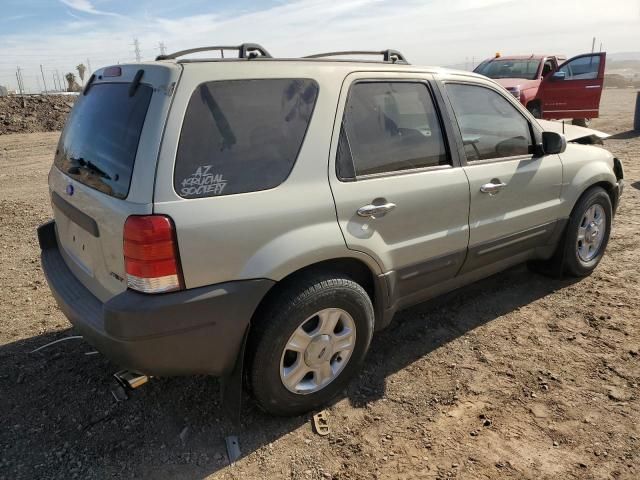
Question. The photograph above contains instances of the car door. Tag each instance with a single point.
(575, 88)
(515, 195)
(400, 193)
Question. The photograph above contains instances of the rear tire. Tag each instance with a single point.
(581, 122)
(587, 232)
(311, 340)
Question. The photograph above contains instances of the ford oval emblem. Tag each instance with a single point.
(69, 189)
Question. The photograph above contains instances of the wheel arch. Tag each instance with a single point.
(534, 102)
(585, 167)
(355, 268)
(607, 186)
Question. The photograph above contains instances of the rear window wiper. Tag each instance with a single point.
(89, 166)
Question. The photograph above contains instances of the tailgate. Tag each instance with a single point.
(104, 169)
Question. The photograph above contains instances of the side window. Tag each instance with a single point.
(582, 68)
(490, 126)
(242, 135)
(389, 127)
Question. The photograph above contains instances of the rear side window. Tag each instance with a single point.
(99, 143)
(389, 127)
(490, 126)
(242, 135)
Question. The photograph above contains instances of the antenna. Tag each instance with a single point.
(136, 49)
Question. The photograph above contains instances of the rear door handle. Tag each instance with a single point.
(375, 211)
(493, 187)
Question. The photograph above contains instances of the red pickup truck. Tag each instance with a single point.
(550, 86)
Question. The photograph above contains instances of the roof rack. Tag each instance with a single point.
(246, 50)
(392, 56)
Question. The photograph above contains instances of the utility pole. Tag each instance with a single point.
(163, 48)
(136, 49)
(19, 84)
(43, 80)
(89, 65)
(593, 45)
(20, 80)
(55, 85)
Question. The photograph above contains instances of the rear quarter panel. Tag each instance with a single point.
(263, 234)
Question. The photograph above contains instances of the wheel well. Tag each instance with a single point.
(533, 103)
(355, 269)
(607, 187)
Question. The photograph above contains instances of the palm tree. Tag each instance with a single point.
(81, 69)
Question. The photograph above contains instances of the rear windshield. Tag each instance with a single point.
(242, 135)
(509, 69)
(99, 143)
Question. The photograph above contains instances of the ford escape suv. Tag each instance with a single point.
(296, 205)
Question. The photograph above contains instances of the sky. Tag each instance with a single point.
(60, 34)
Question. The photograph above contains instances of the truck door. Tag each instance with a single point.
(574, 89)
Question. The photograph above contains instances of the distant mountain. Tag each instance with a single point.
(624, 56)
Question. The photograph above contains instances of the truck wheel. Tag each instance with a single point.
(535, 109)
(587, 232)
(309, 343)
(581, 122)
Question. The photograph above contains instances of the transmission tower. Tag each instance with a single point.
(163, 48)
(136, 49)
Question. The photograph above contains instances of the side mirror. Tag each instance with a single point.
(558, 76)
(553, 143)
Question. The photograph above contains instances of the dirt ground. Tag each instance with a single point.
(520, 376)
(34, 113)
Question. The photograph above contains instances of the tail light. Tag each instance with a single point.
(151, 254)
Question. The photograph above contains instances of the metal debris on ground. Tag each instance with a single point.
(321, 423)
(183, 434)
(119, 393)
(233, 448)
(74, 337)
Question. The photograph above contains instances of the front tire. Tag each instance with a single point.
(535, 108)
(588, 232)
(311, 340)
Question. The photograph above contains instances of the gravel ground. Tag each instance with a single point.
(519, 376)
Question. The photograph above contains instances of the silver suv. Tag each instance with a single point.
(274, 213)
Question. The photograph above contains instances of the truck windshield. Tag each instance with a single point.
(100, 139)
(500, 68)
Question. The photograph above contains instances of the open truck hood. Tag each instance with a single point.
(573, 133)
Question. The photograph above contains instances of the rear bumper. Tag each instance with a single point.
(196, 331)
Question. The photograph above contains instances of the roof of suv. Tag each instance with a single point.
(392, 60)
